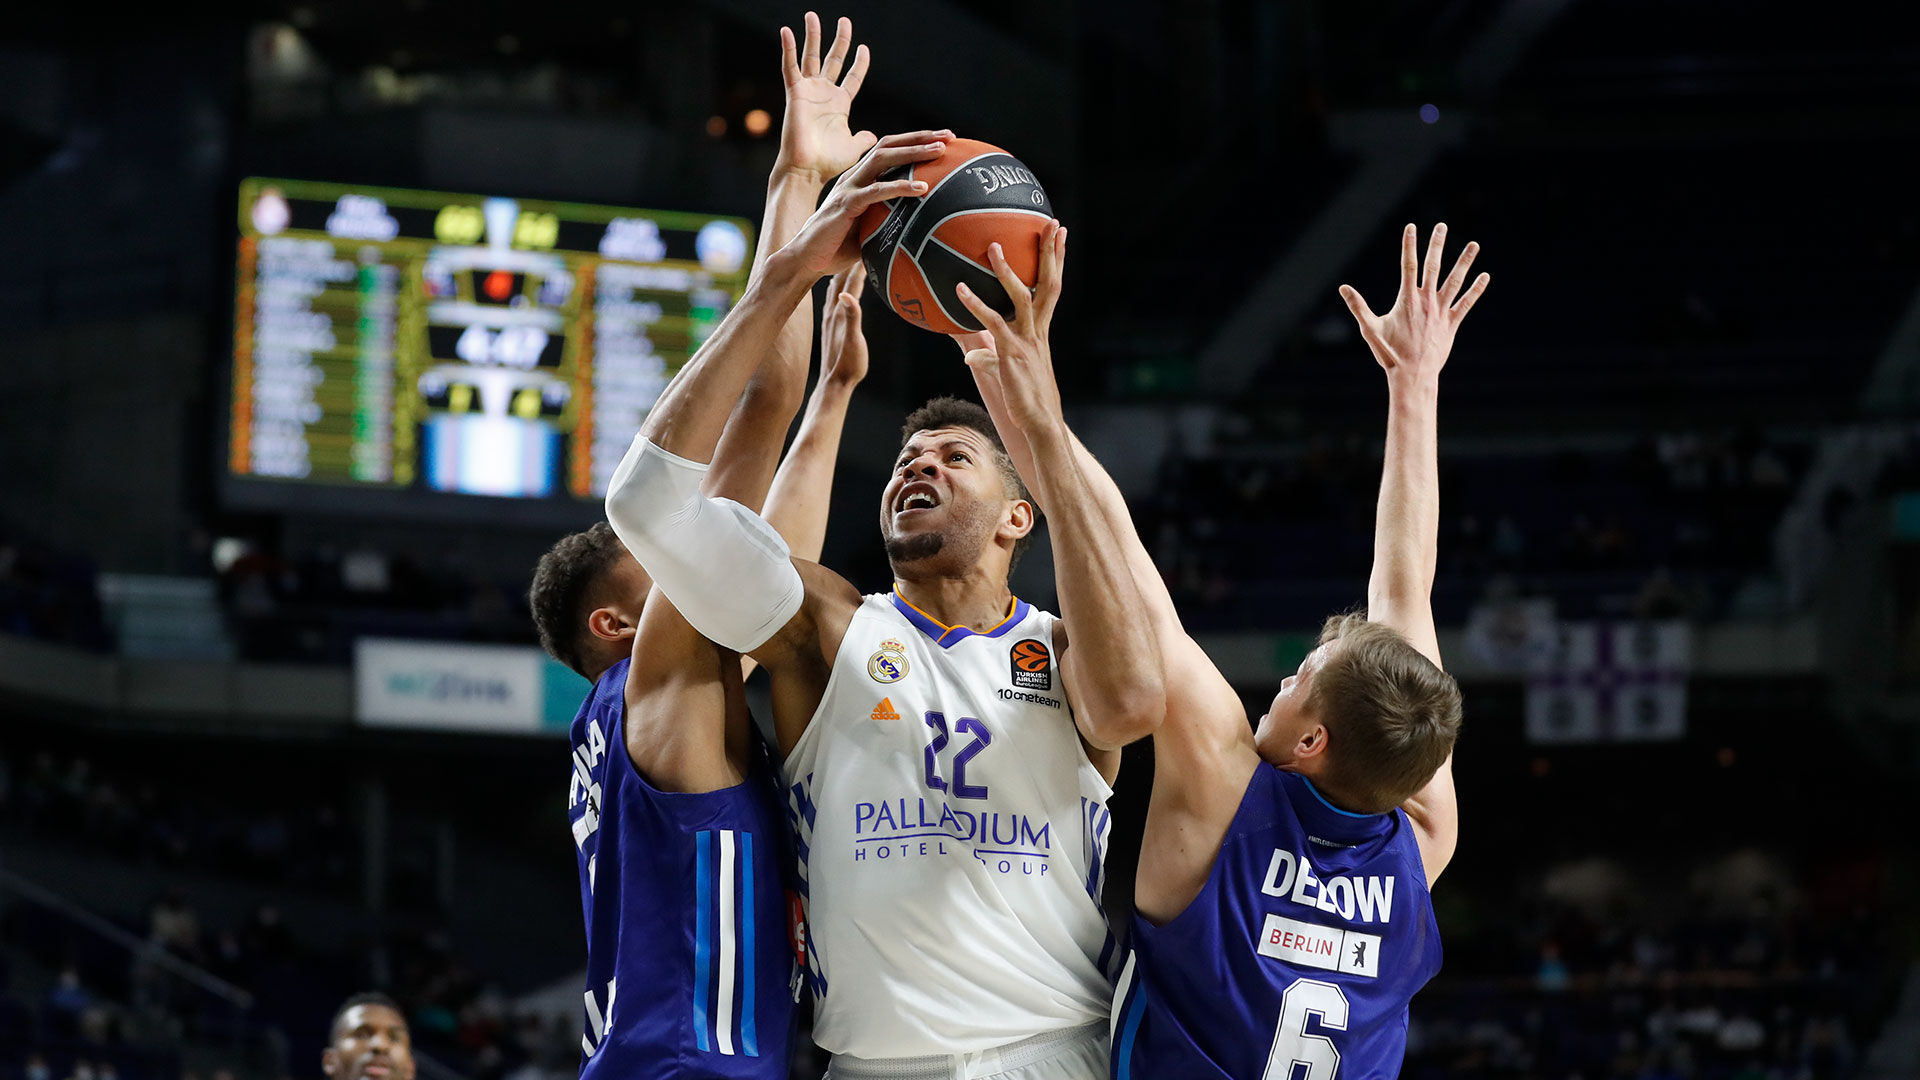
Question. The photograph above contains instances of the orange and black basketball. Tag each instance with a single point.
(917, 249)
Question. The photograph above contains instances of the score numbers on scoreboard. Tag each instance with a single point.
(419, 340)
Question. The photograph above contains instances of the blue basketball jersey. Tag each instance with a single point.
(1299, 956)
(689, 968)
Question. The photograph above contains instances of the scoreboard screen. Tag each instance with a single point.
(427, 342)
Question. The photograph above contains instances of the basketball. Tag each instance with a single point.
(917, 250)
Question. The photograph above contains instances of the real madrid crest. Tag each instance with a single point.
(889, 664)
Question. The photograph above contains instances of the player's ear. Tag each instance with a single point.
(330, 1061)
(1020, 520)
(1312, 744)
(611, 624)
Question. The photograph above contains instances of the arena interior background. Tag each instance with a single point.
(1680, 552)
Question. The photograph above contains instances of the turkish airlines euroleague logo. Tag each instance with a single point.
(1032, 665)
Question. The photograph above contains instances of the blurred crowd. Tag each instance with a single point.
(1775, 983)
(107, 1014)
(310, 605)
(1793, 983)
(49, 594)
(141, 818)
(1667, 527)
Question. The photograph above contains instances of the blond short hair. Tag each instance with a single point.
(1391, 714)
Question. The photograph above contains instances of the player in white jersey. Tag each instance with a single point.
(948, 749)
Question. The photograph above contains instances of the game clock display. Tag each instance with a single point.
(462, 344)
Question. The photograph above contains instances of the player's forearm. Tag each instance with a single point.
(1099, 597)
(1407, 518)
(749, 451)
(791, 197)
(689, 417)
(803, 488)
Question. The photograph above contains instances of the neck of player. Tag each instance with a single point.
(976, 600)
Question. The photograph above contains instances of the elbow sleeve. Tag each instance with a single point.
(726, 570)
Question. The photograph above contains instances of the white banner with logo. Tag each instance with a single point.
(452, 686)
(1610, 682)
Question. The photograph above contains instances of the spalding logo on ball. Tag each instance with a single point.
(917, 249)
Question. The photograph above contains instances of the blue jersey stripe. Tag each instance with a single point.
(1124, 1057)
(747, 953)
(702, 947)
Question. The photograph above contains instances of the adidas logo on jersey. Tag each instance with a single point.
(884, 711)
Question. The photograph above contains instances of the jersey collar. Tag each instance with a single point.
(947, 636)
(1324, 819)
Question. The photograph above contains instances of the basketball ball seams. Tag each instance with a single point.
(963, 317)
(933, 235)
(918, 278)
(897, 212)
(975, 263)
(934, 205)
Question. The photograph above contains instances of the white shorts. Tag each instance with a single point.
(1073, 1054)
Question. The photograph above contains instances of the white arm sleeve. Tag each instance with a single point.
(726, 570)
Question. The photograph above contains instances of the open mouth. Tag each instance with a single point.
(915, 497)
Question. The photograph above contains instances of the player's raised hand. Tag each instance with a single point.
(815, 137)
(1019, 362)
(828, 242)
(843, 347)
(1414, 337)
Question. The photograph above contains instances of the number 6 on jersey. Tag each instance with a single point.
(1293, 1046)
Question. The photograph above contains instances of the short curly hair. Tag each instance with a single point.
(953, 412)
(564, 582)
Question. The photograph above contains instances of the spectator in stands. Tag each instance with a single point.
(368, 1040)
(66, 1001)
(173, 926)
(36, 1067)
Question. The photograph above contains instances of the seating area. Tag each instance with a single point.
(1661, 527)
(48, 593)
(1736, 967)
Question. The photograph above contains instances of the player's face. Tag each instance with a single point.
(946, 494)
(369, 1043)
(1286, 722)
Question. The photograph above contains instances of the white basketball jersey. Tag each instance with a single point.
(951, 836)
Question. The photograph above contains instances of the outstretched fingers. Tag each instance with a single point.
(1409, 262)
(837, 52)
(1465, 304)
(1451, 290)
(856, 74)
(810, 54)
(1436, 247)
(1362, 314)
(789, 57)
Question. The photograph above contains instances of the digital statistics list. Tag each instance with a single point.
(462, 343)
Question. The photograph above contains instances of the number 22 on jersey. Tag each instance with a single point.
(965, 725)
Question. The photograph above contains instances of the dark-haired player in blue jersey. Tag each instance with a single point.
(674, 805)
(1283, 921)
